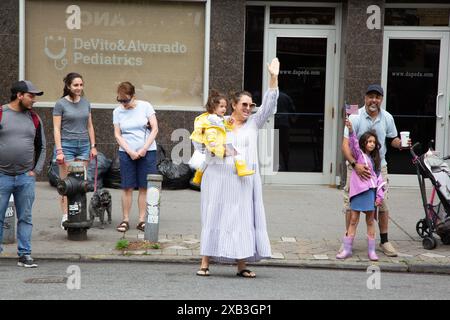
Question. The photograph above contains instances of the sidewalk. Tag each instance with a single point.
(305, 225)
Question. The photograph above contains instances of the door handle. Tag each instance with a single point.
(440, 94)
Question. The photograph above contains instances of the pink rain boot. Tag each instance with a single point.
(347, 252)
(371, 249)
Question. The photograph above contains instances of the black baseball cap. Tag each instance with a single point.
(375, 88)
(25, 86)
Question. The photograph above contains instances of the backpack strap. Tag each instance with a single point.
(35, 119)
(33, 114)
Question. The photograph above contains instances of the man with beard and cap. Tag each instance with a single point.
(372, 117)
(22, 156)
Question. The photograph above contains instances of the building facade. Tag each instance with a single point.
(176, 51)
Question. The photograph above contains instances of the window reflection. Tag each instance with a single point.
(254, 42)
(413, 74)
(430, 17)
(300, 114)
(301, 15)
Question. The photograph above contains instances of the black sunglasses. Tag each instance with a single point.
(246, 105)
(123, 101)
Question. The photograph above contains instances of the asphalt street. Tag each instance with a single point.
(55, 280)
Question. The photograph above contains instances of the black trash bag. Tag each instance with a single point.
(103, 165)
(53, 173)
(111, 179)
(175, 176)
(160, 154)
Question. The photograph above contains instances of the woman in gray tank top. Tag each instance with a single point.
(73, 129)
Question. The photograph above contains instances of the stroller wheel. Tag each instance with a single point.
(422, 228)
(429, 243)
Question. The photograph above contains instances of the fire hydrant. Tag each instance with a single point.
(75, 187)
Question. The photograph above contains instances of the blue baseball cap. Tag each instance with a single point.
(375, 88)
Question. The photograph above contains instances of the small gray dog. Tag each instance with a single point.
(100, 202)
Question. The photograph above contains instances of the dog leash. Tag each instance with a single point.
(95, 174)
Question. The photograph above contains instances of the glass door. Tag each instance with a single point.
(302, 137)
(415, 78)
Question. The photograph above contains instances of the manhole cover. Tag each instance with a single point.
(50, 279)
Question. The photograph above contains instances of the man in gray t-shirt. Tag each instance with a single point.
(22, 156)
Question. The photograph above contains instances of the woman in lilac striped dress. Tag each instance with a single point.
(233, 218)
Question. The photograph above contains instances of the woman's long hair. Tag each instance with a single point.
(375, 154)
(68, 82)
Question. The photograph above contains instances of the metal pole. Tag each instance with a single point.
(154, 182)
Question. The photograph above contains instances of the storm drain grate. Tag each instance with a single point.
(49, 279)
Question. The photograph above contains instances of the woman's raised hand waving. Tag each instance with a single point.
(274, 70)
(274, 67)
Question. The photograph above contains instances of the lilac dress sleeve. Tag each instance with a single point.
(267, 108)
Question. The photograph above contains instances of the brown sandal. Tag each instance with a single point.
(141, 226)
(124, 226)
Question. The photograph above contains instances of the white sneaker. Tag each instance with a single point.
(388, 249)
(64, 218)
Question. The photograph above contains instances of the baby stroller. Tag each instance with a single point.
(437, 219)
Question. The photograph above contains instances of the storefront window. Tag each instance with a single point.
(158, 46)
(424, 17)
(412, 87)
(254, 49)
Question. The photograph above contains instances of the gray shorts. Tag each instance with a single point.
(384, 205)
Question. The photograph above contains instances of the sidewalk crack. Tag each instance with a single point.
(398, 226)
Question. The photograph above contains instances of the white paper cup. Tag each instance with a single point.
(404, 136)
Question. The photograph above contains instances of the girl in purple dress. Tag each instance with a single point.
(366, 194)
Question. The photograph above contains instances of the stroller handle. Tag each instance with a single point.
(413, 153)
(416, 145)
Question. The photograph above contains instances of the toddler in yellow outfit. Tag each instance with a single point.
(210, 132)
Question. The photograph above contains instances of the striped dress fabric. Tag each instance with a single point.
(232, 210)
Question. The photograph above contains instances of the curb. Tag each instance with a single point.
(418, 267)
(410, 267)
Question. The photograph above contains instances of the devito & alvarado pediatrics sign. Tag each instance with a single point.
(158, 46)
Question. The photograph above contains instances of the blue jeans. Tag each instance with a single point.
(22, 188)
(76, 149)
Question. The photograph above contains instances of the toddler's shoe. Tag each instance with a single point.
(197, 180)
(241, 168)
